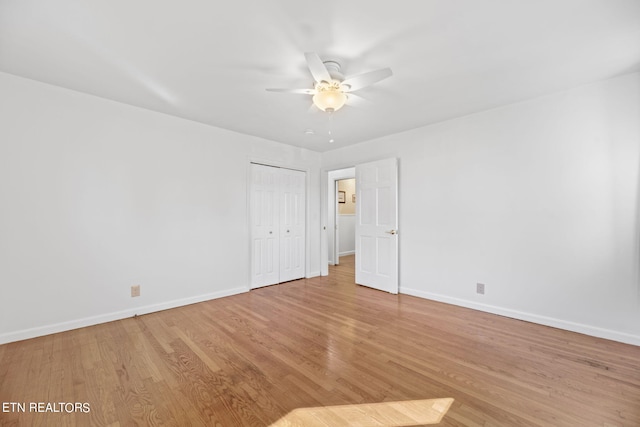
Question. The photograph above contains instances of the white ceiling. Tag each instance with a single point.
(210, 61)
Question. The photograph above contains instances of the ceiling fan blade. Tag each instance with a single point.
(365, 79)
(296, 91)
(317, 68)
(356, 101)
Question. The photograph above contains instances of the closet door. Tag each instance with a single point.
(292, 225)
(265, 239)
(277, 209)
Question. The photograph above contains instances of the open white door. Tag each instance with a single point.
(377, 225)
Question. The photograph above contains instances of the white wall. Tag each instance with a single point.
(347, 231)
(537, 200)
(97, 196)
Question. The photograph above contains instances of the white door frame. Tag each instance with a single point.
(336, 230)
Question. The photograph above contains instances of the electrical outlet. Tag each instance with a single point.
(480, 288)
(135, 290)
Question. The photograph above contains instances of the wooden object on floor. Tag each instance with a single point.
(253, 358)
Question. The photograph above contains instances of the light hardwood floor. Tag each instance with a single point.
(253, 358)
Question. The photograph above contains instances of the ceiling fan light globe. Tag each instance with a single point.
(329, 100)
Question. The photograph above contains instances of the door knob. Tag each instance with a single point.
(287, 231)
(391, 232)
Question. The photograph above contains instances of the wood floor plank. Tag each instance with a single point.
(263, 357)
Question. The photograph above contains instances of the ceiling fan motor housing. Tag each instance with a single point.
(334, 69)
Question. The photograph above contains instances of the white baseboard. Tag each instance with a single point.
(312, 274)
(346, 253)
(110, 317)
(529, 317)
(515, 314)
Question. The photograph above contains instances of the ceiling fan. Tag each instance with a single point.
(331, 90)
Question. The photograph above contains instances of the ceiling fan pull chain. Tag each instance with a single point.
(331, 140)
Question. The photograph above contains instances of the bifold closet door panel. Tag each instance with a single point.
(292, 225)
(265, 227)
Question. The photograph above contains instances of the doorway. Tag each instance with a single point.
(345, 230)
(332, 235)
(376, 218)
